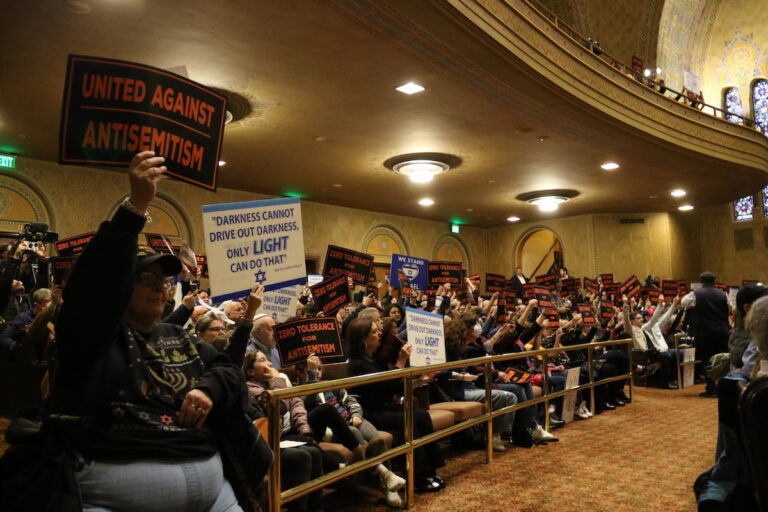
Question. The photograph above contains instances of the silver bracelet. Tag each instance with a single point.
(128, 205)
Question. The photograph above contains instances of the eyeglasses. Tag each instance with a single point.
(219, 329)
(151, 280)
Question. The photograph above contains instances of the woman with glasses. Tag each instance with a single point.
(153, 404)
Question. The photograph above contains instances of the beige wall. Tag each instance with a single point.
(664, 245)
(718, 235)
(80, 198)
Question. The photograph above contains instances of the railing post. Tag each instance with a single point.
(408, 425)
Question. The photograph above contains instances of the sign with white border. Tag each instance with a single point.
(253, 241)
(426, 335)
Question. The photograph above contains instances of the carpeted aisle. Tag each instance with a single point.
(643, 457)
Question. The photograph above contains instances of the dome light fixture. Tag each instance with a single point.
(548, 200)
(685, 208)
(422, 167)
(426, 201)
(513, 218)
(420, 171)
(677, 193)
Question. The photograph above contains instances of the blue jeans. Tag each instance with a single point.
(186, 485)
(499, 399)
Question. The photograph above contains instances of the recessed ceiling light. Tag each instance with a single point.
(426, 202)
(513, 219)
(336, 185)
(470, 209)
(685, 208)
(410, 88)
(677, 193)
(222, 163)
(609, 166)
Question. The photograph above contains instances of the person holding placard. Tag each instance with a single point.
(145, 404)
(382, 401)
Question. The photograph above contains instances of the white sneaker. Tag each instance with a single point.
(582, 412)
(498, 444)
(541, 435)
(393, 499)
(391, 482)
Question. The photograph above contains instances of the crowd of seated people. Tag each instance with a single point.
(234, 348)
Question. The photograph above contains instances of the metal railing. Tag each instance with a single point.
(409, 375)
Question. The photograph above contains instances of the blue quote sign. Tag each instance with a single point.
(254, 241)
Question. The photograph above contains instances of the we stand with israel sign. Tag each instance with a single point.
(426, 335)
(253, 241)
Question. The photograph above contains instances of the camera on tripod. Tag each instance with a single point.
(37, 232)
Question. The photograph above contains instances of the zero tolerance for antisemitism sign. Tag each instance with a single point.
(114, 109)
(253, 241)
(426, 335)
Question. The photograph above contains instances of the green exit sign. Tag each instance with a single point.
(8, 161)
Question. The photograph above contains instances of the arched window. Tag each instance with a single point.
(760, 103)
(743, 208)
(732, 105)
(765, 201)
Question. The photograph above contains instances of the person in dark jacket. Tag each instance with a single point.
(152, 403)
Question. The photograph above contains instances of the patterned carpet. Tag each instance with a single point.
(642, 457)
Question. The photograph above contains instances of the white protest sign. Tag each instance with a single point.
(569, 399)
(253, 241)
(425, 333)
(281, 304)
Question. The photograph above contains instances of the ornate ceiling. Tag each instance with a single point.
(315, 80)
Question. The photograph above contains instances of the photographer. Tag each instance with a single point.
(34, 268)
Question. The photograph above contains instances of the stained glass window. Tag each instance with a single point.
(760, 103)
(765, 201)
(732, 105)
(743, 208)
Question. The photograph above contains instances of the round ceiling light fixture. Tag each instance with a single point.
(421, 171)
(548, 200)
(422, 167)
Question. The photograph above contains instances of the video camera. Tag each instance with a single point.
(38, 232)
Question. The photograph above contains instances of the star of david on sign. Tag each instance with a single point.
(260, 276)
(119, 411)
(166, 419)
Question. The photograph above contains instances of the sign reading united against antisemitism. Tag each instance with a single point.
(253, 241)
(356, 265)
(114, 109)
(426, 335)
(74, 245)
(444, 272)
(331, 294)
(408, 273)
(298, 339)
(281, 304)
